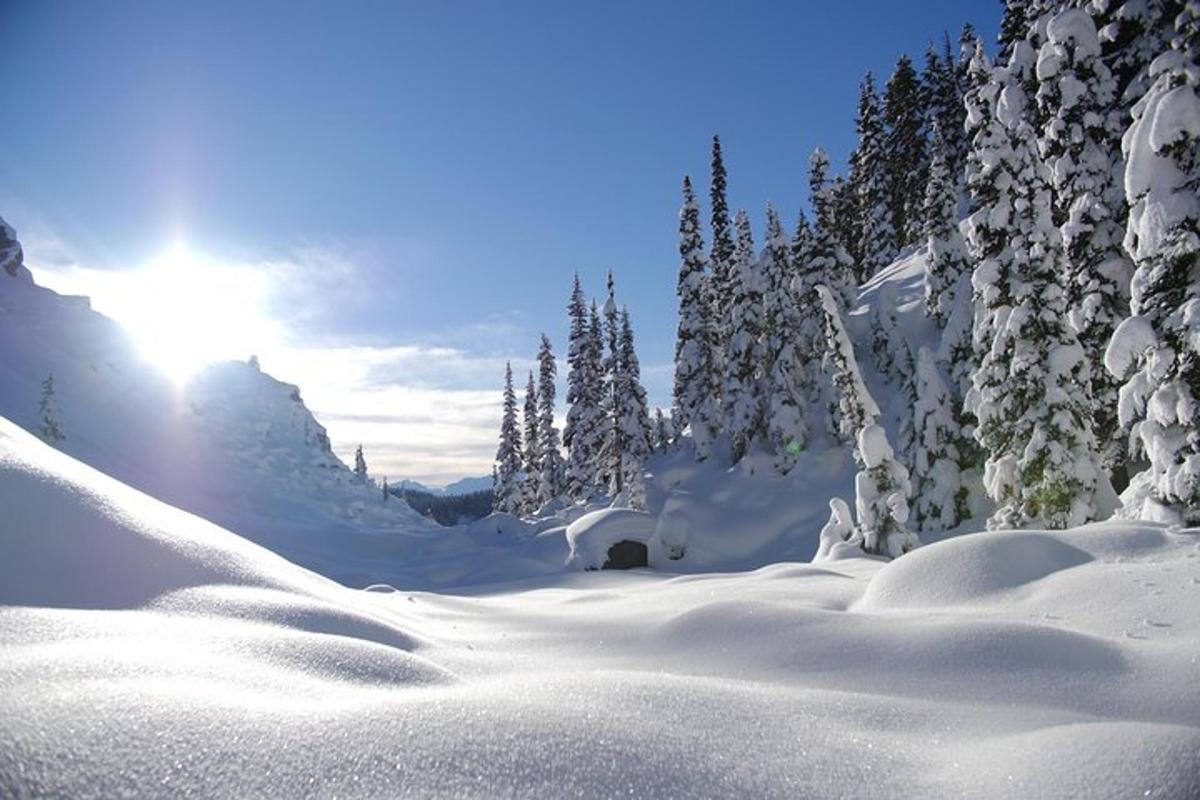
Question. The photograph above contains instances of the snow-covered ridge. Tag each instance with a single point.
(234, 445)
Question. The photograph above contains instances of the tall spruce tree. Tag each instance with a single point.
(532, 456)
(1134, 33)
(550, 460)
(744, 381)
(694, 374)
(360, 464)
(826, 257)
(720, 259)
(948, 261)
(904, 151)
(507, 491)
(876, 239)
(583, 429)
(786, 393)
(1030, 390)
(1156, 351)
(632, 417)
(1080, 142)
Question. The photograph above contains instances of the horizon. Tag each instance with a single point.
(346, 247)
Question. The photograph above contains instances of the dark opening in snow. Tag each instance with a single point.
(626, 555)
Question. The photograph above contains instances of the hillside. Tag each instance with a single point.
(234, 445)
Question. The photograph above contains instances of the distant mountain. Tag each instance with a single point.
(412, 486)
(459, 487)
(468, 486)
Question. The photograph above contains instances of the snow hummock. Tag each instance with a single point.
(144, 650)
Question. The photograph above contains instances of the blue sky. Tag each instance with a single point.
(415, 183)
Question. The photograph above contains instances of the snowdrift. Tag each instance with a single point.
(144, 650)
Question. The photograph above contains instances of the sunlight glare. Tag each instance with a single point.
(184, 312)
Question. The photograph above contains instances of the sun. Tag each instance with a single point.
(184, 311)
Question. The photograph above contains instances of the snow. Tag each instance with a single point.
(143, 647)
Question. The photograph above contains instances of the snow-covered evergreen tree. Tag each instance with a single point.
(508, 495)
(1013, 26)
(1080, 143)
(744, 381)
(583, 431)
(1134, 33)
(945, 89)
(1156, 351)
(881, 491)
(876, 240)
(811, 330)
(1030, 390)
(720, 260)
(695, 405)
(786, 393)
(931, 439)
(855, 407)
(51, 426)
(633, 418)
(360, 464)
(531, 457)
(904, 151)
(550, 462)
(827, 259)
(948, 260)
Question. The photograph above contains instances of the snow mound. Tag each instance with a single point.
(191, 592)
(970, 569)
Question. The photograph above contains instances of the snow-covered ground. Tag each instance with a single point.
(146, 651)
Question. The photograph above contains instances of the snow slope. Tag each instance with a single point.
(234, 445)
(144, 651)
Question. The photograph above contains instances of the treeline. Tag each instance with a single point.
(1056, 190)
(447, 509)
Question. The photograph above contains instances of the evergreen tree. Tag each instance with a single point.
(633, 419)
(508, 493)
(948, 261)
(875, 238)
(360, 464)
(1013, 26)
(1077, 96)
(694, 375)
(744, 389)
(385, 489)
(826, 257)
(721, 260)
(949, 113)
(1156, 351)
(855, 407)
(584, 425)
(904, 151)
(1030, 390)
(532, 455)
(786, 392)
(550, 463)
(935, 451)
(51, 427)
(601, 389)
(811, 329)
(1134, 33)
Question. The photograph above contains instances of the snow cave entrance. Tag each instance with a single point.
(627, 555)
